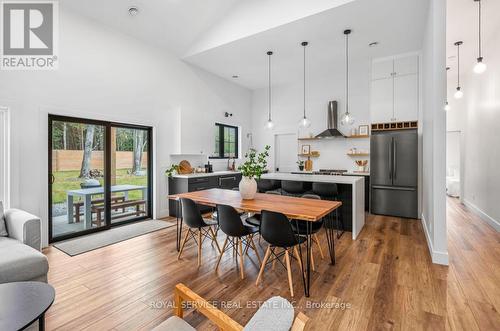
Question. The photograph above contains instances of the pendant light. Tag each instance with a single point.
(269, 123)
(304, 121)
(347, 118)
(447, 105)
(458, 94)
(480, 66)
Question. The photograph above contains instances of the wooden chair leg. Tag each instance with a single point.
(312, 259)
(254, 248)
(199, 247)
(183, 243)
(214, 238)
(221, 253)
(289, 271)
(263, 264)
(299, 258)
(316, 240)
(242, 256)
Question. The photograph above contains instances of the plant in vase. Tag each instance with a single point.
(252, 169)
(300, 163)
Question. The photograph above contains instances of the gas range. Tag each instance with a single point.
(330, 172)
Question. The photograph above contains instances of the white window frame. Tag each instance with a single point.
(5, 156)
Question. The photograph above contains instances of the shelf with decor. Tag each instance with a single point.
(356, 136)
(308, 155)
(358, 154)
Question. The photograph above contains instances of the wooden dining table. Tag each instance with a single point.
(310, 210)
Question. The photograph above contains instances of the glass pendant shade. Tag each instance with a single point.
(269, 124)
(480, 66)
(459, 94)
(347, 119)
(447, 106)
(304, 122)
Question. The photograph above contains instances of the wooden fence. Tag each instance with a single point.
(66, 160)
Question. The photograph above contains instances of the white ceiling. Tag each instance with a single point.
(171, 24)
(398, 25)
(462, 24)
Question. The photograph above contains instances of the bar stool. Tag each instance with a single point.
(264, 185)
(293, 188)
(300, 228)
(329, 191)
(191, 216)
(237, 233)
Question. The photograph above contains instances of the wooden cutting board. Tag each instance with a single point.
(185, 167)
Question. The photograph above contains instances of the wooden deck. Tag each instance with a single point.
(386, 277)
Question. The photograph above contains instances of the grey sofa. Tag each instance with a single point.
(20, 256)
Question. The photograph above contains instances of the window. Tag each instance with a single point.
(225, 142)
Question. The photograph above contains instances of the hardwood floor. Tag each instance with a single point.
(386, 277)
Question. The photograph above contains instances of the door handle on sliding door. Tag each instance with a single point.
(390, 160)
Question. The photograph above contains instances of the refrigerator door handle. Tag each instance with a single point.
(390, 160)
(394, 159)
(393, 188)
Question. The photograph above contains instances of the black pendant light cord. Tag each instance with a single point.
(304, 44)
(269, 112)
(347, 72)
(479, 42)
(458, 65)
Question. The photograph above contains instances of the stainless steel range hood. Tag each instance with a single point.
(332, 117)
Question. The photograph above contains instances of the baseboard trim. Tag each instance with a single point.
(482, 215)
(437, 257)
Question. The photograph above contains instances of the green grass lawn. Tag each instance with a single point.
(68, 180)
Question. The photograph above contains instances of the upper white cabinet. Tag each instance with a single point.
(395, 89)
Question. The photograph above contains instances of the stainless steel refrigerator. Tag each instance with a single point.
(394, 173)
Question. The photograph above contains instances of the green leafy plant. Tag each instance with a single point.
(170, 171)
(300, 163)
(255, 163)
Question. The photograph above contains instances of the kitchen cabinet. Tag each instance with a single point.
(192, 183)
(394, 95)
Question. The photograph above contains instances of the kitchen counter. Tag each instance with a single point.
(205, 174)
(357, 184)
(349, 173)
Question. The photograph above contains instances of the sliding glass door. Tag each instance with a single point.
(99, 175)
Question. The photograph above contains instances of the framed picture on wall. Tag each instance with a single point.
(306, 149)
(363, 130)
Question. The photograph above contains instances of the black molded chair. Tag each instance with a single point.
(293, 188)
(329, 191)
(237, 233)
(255, 219)
(276, 230)
(300, 228)
(198, 227)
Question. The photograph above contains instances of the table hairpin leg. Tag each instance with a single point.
(178, 223)
(330, 235)
(303, 272)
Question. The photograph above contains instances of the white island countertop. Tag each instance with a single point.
(358, 192)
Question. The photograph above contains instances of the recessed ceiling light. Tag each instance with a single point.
(373, 44)
(235, 76)
(133, 11)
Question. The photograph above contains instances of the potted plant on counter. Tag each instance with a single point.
(300, 163)
(252, 169)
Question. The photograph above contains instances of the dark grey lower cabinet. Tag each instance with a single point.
(183, 185)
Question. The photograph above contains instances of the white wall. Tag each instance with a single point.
(106, 75)
(478, 116)
(433, 121)
(322, 86)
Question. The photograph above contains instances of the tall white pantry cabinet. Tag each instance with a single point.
(395, 89)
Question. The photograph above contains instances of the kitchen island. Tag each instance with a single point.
(355, 193)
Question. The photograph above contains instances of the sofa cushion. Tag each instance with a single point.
(19, 262)
(275, 314)
(3, 228)
(174, 323)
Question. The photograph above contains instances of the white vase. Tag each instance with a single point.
(248, 188)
